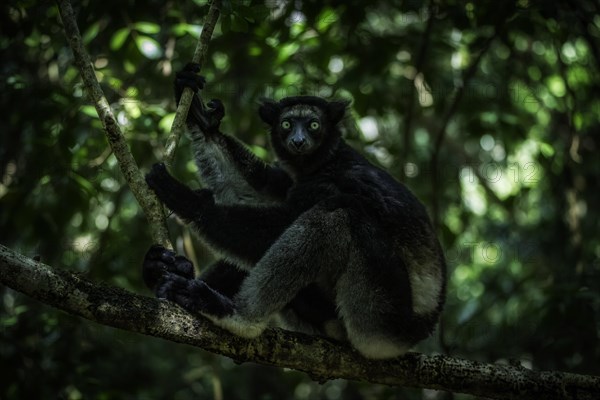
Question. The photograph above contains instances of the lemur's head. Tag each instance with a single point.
(303, 126)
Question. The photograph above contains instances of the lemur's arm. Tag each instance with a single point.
(242, 231)
(227, 167)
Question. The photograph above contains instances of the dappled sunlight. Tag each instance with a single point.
(489, 113)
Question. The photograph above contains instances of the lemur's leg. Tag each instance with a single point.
(291, 264)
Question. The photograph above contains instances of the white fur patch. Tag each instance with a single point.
(239, 325)
(426, 287)
(425, 277)
(378, 347)
(218, 173)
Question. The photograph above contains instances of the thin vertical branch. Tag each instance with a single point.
(199, 57)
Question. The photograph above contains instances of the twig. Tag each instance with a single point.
(145, 197)
(178, 126)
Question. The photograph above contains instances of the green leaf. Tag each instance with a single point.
(325, 19)
(147, 27)
(165, 122)
(183, 28)
(179, 29)
(556, 85)
(91, 33)
(286, 51)
(119, 38)
(547, 149)
(90, 111)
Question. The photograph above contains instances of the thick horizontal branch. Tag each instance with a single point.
(320, 358)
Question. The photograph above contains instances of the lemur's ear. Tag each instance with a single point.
(337, 110)
(269, 110)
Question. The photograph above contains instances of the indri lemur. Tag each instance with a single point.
(323, 241)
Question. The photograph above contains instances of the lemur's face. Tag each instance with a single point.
(300, 129)
(302, 125)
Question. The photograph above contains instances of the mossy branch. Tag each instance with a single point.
(320, 358)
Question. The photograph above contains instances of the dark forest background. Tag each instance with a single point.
(489, 111)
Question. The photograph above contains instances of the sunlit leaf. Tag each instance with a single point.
(326, 18)
(556, 86)
(147, 27)
(91, 32)
(90, 111)
(546, 149)
(179, 29)
(119, 38)
(165, 122)
(148, 47)
(129, 66)
(286, 51)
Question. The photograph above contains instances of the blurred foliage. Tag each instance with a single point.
(488, 111)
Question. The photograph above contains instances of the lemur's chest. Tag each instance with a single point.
(304, 195)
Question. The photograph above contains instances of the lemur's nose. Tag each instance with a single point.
(298, 142)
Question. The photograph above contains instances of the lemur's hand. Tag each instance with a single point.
(186, 203)
(159, 261)
(207, 117)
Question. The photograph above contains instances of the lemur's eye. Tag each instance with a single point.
(314, 125)
(285, 124)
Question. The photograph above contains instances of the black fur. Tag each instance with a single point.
(326, 241)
